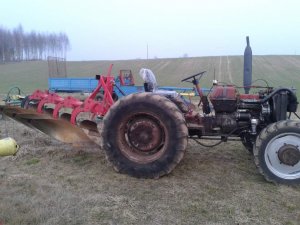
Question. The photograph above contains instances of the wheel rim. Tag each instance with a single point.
(142, 138)
(282, 156)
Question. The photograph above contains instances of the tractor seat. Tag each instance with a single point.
(150, 84)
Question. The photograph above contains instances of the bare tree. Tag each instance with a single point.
(18, 35)
(17, 45)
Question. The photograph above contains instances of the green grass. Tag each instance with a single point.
(67, 185)
(32, 161)
(26, 75)
(276, 70)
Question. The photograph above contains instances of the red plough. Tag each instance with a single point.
(56, 115)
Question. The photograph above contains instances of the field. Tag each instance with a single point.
(277, 70)
(48, 182)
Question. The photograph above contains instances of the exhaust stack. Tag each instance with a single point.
(247, 67)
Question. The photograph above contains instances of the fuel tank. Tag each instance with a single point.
(224, 99)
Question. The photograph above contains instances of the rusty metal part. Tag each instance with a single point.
(57, 128)
(289, 154)
(90, 128)
(58, 117)
(142, 137)
(41, 99)
(145, 134)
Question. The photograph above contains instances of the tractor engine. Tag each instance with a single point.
(245, 114)
(229, 113)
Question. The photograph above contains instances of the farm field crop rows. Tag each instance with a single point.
(277, 70)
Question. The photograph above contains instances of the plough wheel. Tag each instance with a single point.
(144, 135)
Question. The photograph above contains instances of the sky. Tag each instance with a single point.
(122, 29)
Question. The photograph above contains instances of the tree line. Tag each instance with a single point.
(17, 45)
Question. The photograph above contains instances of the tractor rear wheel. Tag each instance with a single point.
(277, 152)
(144, 135)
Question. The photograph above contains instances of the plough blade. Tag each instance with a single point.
(57, 128)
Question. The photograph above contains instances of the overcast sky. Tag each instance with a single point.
(121, 29)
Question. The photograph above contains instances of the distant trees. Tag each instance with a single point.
(17, 45)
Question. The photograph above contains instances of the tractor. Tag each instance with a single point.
(145, 135)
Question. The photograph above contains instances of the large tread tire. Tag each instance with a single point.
(150, 110)
(270, 142)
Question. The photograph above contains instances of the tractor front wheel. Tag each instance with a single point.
(144, 135)
(277, 152)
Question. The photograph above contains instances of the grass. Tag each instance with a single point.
(32, 161)
(26, 75)
(53, 183)
(48, 182)
(276, 70)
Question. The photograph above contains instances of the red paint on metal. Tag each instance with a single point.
(200, 93)
(126, 78)
(223, 92)
(68, 102)
(38, 95)
(249, 96)
(100, 108)
(50, 98)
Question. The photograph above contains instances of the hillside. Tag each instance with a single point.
(277, 70)
(49, 182)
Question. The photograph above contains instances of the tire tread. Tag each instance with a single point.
(273, 128)
(157, 169)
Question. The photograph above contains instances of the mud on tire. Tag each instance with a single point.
(277, 152)
(144, 135)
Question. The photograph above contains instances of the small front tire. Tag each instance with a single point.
(277, 152)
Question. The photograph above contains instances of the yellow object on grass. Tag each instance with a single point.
(8, 146)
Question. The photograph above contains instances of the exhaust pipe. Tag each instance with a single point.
(247, 67)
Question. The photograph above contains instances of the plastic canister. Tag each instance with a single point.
(8, 146)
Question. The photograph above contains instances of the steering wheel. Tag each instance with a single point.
(193, 77)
